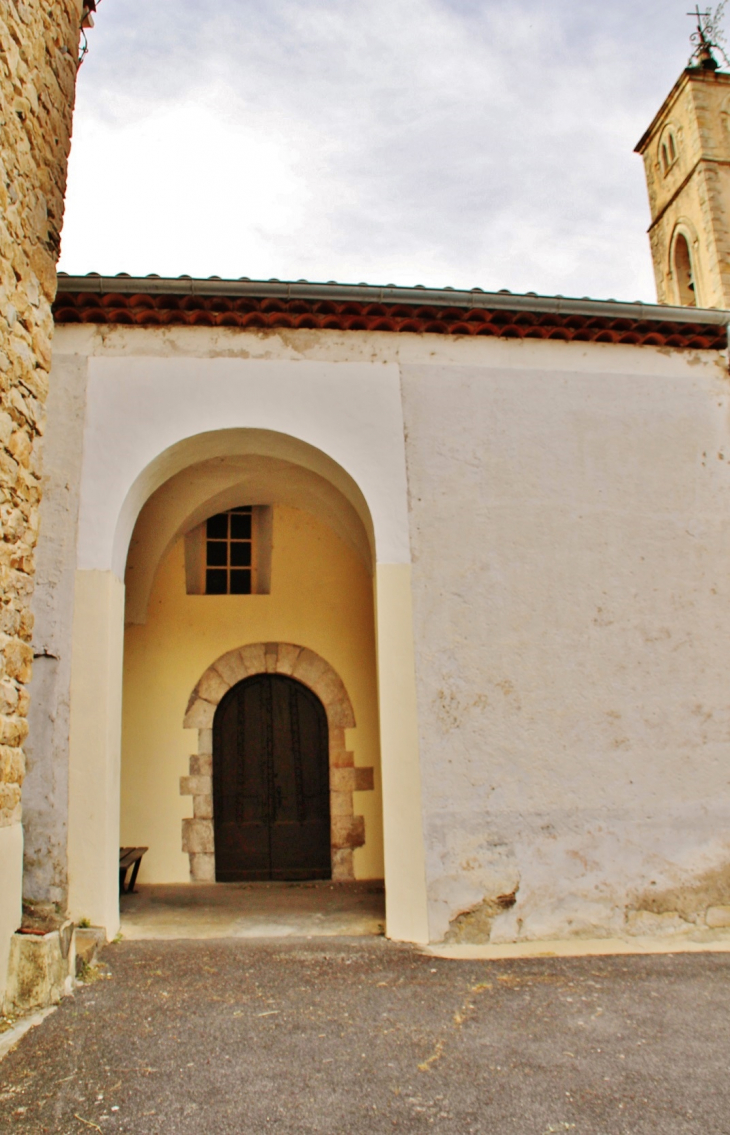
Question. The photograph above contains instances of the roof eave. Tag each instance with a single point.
(390, 293)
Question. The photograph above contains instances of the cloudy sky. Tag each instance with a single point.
(443, 142)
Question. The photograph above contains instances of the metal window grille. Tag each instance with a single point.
(229, 552)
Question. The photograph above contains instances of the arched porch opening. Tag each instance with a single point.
(314, 620)
(159, 458)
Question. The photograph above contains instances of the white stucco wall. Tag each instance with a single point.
(566, 515)
(571, 542)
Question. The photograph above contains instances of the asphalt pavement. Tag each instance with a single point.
(354, 1036)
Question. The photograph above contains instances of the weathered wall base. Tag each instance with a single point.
(602, 880)
(11, 894)
(42, 969)
(45, 789)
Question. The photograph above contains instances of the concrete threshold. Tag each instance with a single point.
(253, 910)
(708, 942)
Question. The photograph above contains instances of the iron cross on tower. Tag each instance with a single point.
(704, 38)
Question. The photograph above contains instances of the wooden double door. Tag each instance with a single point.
(271, 782)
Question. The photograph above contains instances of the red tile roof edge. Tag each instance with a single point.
(153, 301)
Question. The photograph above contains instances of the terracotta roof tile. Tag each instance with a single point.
(168, 303)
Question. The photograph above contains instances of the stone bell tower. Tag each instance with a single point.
(686, 153)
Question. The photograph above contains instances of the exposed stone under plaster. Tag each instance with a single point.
(347, 829)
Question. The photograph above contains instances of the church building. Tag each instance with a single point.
(383, 583)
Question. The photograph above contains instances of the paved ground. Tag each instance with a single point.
(253, 910)
(351, 1036)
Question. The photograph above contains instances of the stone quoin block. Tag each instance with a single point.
(342, 864)
(202, 868)
(341, 758)
(348, 831)
(341, 804)
(196, 785)
(342, 779)
(203, 807)
(198, 836)
(364, 780)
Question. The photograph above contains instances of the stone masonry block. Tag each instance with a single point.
(203, 807)
(337, 739)
(212, 687)
(288, 655)
(342, 865)
(200, 715)
(202, 868)
(271, 657)
(198, 836)
(253, 658)
(340, 715)
(231, 667)
(205, 741)
(196, 785)
(309, 669)
(364, 780)
(341, 758)
(341, 804)
(201, 764)
(9, 802)
(12, 765)
(342, 779)
(39, 971)
(331, 690)
(348, 831)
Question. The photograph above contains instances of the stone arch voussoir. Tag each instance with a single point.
(313, 671)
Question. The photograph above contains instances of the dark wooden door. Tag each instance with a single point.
(271, 782)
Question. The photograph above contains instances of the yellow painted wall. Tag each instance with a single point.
(321, 597)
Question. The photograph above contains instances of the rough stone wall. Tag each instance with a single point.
(38, 51)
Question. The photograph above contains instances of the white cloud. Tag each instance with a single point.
(431, 141)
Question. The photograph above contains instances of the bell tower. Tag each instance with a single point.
(686, 153)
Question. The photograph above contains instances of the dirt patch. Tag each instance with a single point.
(688, 899)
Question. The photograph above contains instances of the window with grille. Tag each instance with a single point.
(229, 553)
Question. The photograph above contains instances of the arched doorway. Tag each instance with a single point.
(271, 782)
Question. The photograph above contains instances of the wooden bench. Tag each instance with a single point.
(129, 857)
